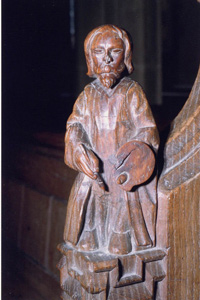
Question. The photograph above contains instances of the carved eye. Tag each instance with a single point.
(98, 51)
(117, 51)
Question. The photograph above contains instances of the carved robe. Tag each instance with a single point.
(103, 122)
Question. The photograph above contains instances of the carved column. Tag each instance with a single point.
(178, 223)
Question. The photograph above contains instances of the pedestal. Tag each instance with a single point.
(100, 276)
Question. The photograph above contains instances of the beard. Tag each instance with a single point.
(108, 76)
(108, 79)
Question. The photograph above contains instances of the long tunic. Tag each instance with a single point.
(103, 122)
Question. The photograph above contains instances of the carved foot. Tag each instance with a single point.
(120, 243)
(88, 241)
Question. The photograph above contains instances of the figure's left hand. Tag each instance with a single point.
(135, 164)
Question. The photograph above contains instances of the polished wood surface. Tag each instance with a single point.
(112, 141)
(178, 223)
(109, 129)
(120, 241)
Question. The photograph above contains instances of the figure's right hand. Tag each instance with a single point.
(86, 161)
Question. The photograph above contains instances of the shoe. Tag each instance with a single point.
(88, 241)
(120, 243)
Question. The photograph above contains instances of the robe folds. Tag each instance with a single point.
(104, 122)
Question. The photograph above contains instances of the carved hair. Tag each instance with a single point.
(122, 35)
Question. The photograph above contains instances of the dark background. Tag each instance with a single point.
(37, 59)
(43, 71)
(44, 66)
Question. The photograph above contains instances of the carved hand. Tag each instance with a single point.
(124, 165)
(135, 164)
(86, 161)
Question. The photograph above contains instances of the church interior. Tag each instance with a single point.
(43, 72)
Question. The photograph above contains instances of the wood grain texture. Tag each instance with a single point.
(178, 226)
(111, 140)
(111, 248)
(133, 276)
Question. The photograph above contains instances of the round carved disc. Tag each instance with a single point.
(136, 162)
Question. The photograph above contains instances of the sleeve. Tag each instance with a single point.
(141, 118)
(75, 133)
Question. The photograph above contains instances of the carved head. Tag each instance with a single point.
(108, 52)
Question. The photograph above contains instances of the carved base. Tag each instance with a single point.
(100, 276)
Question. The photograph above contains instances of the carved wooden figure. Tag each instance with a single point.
(111, 140)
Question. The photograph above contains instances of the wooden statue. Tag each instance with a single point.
(111, 140)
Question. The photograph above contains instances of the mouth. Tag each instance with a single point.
(107, 73)
(109, 70)
(105, 69)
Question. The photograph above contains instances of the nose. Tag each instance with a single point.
(107, 58)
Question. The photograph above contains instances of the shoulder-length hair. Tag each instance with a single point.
(122, 35)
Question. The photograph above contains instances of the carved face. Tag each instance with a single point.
(108, 57)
